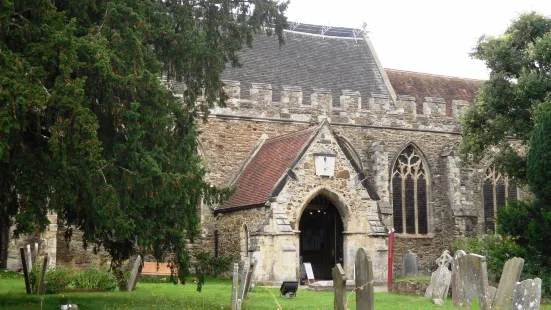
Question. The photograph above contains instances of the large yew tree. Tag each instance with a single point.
(87, 129)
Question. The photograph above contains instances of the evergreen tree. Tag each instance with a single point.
(88, 130)
(520, 65)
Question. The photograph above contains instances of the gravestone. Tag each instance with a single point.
(507, 283)
(440, 279)
(363, 273)
(42, 284)
(134, 274)
(249, 279)
(491, 294)
(35, 251)
(25, 270)
(244, 274)
(339, 284)
(410, 264)
(472, 281)
(235, 282)
(527, 295)
(455, 283)
(29, 258)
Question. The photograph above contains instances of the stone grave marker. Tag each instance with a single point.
(472, 281)
(25, 270)
(455, 281)
(507, 283)
(491, 294)
(249, 279)
(35, 252)
(363, 274)
(42, 284)
(410, 264)
(235, 283)
(440, 279)
(134, 274)
(527, 295)
(339, 283)
(29, 258)
(244, 274)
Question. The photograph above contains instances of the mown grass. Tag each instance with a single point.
(216, 294)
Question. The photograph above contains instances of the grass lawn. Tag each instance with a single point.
(216, 295)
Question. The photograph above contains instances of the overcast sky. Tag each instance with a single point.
(432, 36)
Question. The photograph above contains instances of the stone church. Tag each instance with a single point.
(328, 151)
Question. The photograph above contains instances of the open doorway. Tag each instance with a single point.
(321, 239)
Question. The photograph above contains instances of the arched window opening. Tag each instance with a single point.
(409, 193)
(244, 241)
(496, 189)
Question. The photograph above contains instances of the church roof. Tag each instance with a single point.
(421, 85)
(336, 60)
(266, 167)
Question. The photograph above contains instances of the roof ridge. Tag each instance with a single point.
(290, 134)
(435, 75)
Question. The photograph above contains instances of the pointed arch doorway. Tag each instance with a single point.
(321, 236)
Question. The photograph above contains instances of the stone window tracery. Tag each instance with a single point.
(409, 193)
(496, 189)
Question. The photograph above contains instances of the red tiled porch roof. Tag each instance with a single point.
(261, 174)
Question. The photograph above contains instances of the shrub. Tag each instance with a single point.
(57, 279)
(94, 278)
(209, 265)
(34, 276)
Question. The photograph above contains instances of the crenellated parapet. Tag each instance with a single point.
(293, 102)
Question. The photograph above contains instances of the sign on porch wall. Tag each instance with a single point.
(309, 272)
(325, 164)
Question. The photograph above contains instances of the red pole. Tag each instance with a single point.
(390, 255)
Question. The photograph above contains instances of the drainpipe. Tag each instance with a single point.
(390, 255)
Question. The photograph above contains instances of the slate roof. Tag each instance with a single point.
(261, 174)
(311, 61)
(421, 85)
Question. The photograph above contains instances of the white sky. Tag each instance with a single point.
(432, 36)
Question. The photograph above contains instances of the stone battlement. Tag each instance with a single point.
(354, 108)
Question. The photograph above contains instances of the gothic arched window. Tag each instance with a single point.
(410, 198)
(496, 189)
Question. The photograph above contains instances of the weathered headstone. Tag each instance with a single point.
(134, 274)
(527, 295)
(472, 278)
(507, 283)
(339, 283)
(455, 281)
(491, 294)
(42, 283)
(235, 283)
(25, 270)
(244, 274)
(363, 273)
(249, 279)
(29, 258)
(35, 252)
(410, 264)
(440, 279)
